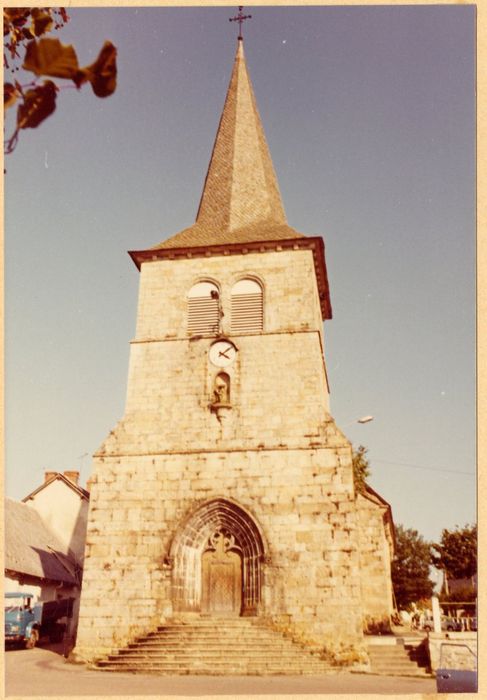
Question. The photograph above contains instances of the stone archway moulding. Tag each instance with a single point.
(190, 541)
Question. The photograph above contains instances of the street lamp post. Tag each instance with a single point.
(364, 419)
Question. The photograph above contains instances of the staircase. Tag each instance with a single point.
(398, 656)
(236, 646)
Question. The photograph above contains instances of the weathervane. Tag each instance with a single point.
(240, 18)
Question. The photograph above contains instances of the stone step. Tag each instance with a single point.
(200, 632)
(397, 663)
(213, 641)
(388, 655)
(192, 653)
(400, 671)
(397, 660)
(273, 662)
(218, 638)
(224, 623)
(212, 650)
(210, 641)
(209, 659)
(230, 671)
(235, 650)
(215, 648)
(189, 658)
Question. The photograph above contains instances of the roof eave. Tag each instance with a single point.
(82, 493)
(375, 497)
(16, 573)
(313, 243)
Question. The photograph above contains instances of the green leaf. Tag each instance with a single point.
(102, 74)
(410, 567)
(50, 57)
(39, 103)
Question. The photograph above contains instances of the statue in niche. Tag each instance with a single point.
(221, 389)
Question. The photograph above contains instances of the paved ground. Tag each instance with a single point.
(44, 672)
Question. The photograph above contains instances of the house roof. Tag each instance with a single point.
(376, 498)
(57, 476)
(31, 548)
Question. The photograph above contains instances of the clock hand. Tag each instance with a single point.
(224, 353)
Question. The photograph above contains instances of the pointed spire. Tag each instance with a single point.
(240, 200)
(241, 207)
(241, 186)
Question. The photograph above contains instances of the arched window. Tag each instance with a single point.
(203, 308)
(247, 307)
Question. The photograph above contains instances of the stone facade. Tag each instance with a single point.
(227, 488)
(376, 540)
(457, 650)
(278, 462)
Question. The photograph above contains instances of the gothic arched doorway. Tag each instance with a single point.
(217, 554)
(221, 575)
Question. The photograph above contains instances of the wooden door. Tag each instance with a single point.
(221, 578)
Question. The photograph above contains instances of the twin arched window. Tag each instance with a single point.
(246, 307)
(203, 308)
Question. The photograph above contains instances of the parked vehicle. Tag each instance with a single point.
(449, 624)
(458, 669)
(26, 622)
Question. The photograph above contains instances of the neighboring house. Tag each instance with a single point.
(376, 537)
(44, 540)
(36, 560)
(63, 506)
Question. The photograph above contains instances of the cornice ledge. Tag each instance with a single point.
(313, 243)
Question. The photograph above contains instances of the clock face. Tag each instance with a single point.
(222, 353)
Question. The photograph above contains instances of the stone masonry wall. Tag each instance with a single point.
(277, 454)
(375, 566)
(171, 384)
(302, 500)
(279, 391)
(455, 650)
(291, 301)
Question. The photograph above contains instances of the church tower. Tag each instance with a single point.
(226, 489)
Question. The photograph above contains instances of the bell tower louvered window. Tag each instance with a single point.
(247, 307)
(203, 308)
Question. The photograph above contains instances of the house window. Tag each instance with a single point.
(247, 307)
(203, 308)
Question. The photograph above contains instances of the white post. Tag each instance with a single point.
(435, 605)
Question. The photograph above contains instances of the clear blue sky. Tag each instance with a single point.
(370, 117)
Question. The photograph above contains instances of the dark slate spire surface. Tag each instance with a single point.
(240, 200)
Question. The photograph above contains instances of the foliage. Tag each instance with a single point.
(410, 567)
(361, 468)
(462, 594)
(23, 30)
(456, 553)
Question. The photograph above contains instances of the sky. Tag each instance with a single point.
(369, 113)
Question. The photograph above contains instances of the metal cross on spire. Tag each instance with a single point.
(240, 18)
